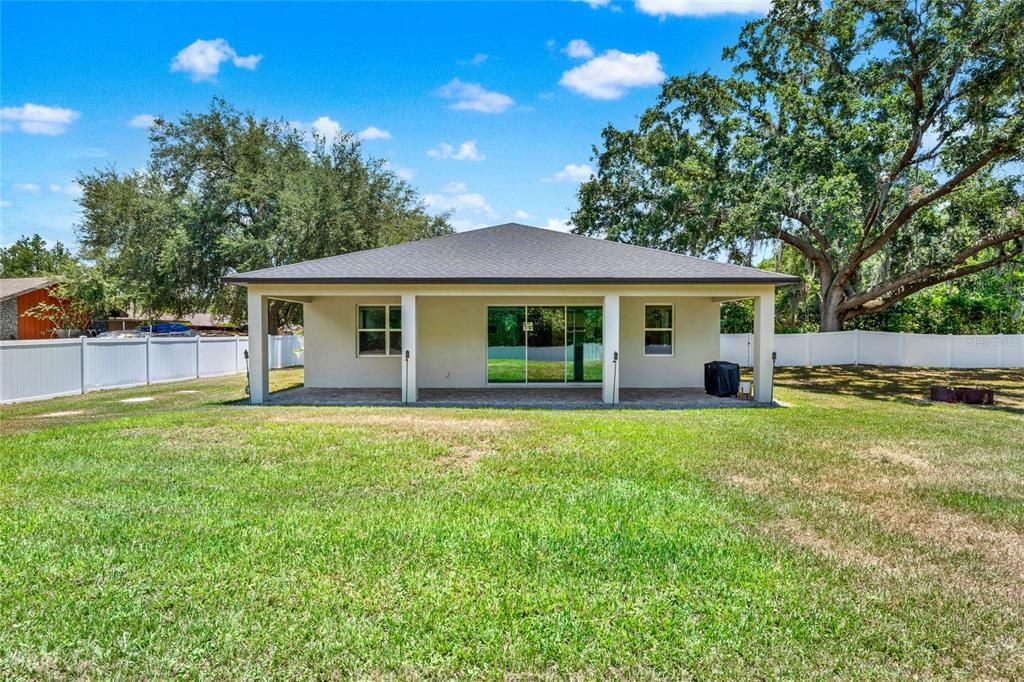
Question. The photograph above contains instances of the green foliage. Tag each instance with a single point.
(987, 302)
(225, 192)
(81, 294)
(30, 257)
(881, 140)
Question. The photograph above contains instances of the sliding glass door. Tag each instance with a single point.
(583, 337)
(543, 344)
(506, 345)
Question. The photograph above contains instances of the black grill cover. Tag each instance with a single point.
(721, 378)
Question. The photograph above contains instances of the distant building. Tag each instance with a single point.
(17, 296)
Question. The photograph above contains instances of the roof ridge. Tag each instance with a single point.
(609, 255)
(634, 246)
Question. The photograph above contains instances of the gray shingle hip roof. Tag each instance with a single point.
(510, 254)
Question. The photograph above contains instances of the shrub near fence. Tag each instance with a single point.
(32, 370)
(882, 348)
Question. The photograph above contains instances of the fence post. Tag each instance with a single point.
(149, 349)
(197, 355)
(856, 347)
(808, 355)
(999, 351)
(949, 350)
(236, 353)
(84, 340)
(750, 340)
(902, 346)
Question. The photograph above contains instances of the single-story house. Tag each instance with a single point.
(17, 296)
(510, 306)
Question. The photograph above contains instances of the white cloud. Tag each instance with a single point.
(403, 172)
(326, 128)
(374, 133)
(559, 224)
(37, 119)
(476, 60)
(574, 172)
(474, 97)
(456, 198)
(202, 59)
(142, 121)
(466, 151)
(5, 204)
(701, 8)
(520, 214)
(467, 201)
(613, 73)
(579, 49)
(594, 4)
(30, 187)
(72, 189)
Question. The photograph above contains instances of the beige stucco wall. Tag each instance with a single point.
(453, 341)
(330, 346)
(695, 341)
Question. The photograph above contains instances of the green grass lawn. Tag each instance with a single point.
(859, 533)
(512, 370)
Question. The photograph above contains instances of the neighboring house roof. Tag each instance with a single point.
(16, 286)
(511, 253)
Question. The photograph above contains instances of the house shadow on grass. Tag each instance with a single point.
(909, 385)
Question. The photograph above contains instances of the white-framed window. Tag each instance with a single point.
(658, 321)
(378, 330)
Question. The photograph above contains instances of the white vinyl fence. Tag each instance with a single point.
(882, 348)
(32, 370)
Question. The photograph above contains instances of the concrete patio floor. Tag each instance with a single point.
(552, 398)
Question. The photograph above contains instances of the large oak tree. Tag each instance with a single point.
(225, 192)
(883, 140)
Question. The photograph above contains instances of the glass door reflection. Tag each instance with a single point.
(545, 344)
(506, 344)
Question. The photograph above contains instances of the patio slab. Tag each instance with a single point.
(551, 398)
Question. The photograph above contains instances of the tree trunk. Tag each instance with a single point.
(830, 320)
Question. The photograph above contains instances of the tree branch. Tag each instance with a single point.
(935, 273)
(910, 209)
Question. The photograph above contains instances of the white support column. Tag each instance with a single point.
(408, 348)
(259, 373)
(611, 372)
(764, 344)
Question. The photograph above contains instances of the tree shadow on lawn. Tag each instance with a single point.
(909, 385)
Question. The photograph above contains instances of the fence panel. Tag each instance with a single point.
(217, 356)
(1013, 350)
(792, 350)
(40, 369)
(172, 358)
(976, 351)
(925, 350)
(833, 348)
(115, 362)
(878, 348)
(285, 351)
(736, 348)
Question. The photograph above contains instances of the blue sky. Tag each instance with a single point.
(490, 109)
